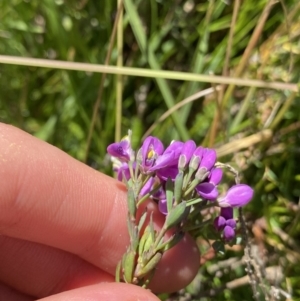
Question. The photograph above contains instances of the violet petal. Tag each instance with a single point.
(207, 191)
(163, 161)
(168, 173)
(219, 223)
(215, 176)
(124, 171)
(186, 153)
(160, 194)
(227, 213)
(196, 158)
(162, 206)
(237, 196)
(231, 223)
(147, 187)
(151, 149)
(174, 146)
(121, 150)
(209, 158)
(198, 152)
(228, 233)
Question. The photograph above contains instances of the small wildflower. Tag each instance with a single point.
(186, 154)
(237, 196)
(225, 223)
(149, 152)
(169, 157)
(215, 176)
(121, 150)
(207, 191)
(181, 179)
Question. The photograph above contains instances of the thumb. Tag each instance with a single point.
(105, 292)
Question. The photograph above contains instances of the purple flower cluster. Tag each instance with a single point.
(225, 223)
(153, 165)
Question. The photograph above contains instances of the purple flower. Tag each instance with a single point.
(220, 223)
(123, 171)
(215, 176)
(196, 158)
(160, 194)
(231, 223)
(147, 187)
(227, 212)
(226, 223)
(237, 196)
(162, 206)
(207, 191)
(186, 153)
(169, 157)
(121, 150)
(209, 158)
(228, 233)
(167, 173)
(149, 152)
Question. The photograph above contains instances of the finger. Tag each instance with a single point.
(107, 292)
(40, 271)
(178, 267)
(50, 198)
(9, 294)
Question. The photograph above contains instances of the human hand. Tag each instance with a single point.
(63, 229)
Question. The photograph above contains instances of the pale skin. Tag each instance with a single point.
(63, 229)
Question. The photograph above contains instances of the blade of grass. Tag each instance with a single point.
(283, 110)
(243, 143)
(183, 76)
(242, 111)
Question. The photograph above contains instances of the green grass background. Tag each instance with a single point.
(254, 127)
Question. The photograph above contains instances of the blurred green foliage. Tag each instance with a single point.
(192, 35)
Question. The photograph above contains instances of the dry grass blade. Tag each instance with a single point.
(97, 68)
(179, 105)
(243, 143)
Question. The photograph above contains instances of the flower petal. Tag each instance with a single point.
(219, 223)
(168, 173)
(147, 187)
(209, 158)
(162, 206)
(150, 150)
(207, 191)
(186, 153)
(231, 223)
(237, 196)
(227, 213)
(215, 176)
(121, 150)
(175, 146)
(228, 233)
